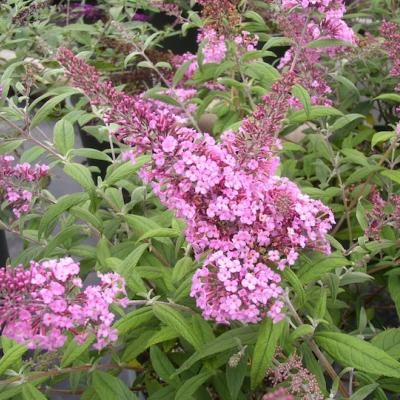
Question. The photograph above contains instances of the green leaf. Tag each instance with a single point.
(328, 43)
(235, 377)
(159, 232)
(361, 173)
(133, 319)
(163, 366)
(366, 379)
(167, 99)
(389, 96)
(55, 210)
(163, 393)
(254, 16)
(140, 224)
(74, 350)
(256, 54)
(389, 341)
(130, 57)
(29, 392)
(124, 170)
(6, 394)
(48, 107)
(64, 237)
(356, 353)
(381, 137)
(315, 113)
(347, 83)
(87, 216)
(181, 269)
(7, 74)
(108, 387)
(146, 340)
(126, 268)
(91, 153)
(301, 331)
(342, 122)
(8, 146)
(390, 384)
(277, 41)
(191, 385)
(302, 94)
(163, 64)
(264, 350)
(176, 321)
(64, 136)
(316, 270)
(32, 154)
(11, 357)
(394, 290)
(262, 71)
(314, 367)
(132, 259)
(181, 71)
(82, 175)
(228, 340)
(319, 308)
(360, 215)
(364, 392)
(393, 175)
(295, 283)
(351, 277)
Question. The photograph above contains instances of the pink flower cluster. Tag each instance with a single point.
(391, 32)
(251, 222)
(298, 381)
(41, 304)
(169, 8)
(311, 20)
(378, 217)
(12, 180)
(278, 394)
(214, 49)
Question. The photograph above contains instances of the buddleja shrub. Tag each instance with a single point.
(243, 241)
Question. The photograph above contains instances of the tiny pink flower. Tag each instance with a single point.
(169, 144)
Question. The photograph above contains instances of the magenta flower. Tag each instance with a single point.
(278, 394)
(140, 17)
(391, 33)
(304, 21)
(41, 304)
(12, 181)
(252, 222)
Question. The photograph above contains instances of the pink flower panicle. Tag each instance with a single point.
(39, 305)
(139, 120)
(375, 217)
(257, 136)
(299, 381)
(299, 21)
(251, 222)
(278, 394)
(169, 8)
(221, 15)
(14, 178)
(214, 49)
(391, 33)
(378, 217)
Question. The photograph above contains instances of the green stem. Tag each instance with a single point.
(61, 371)
(316, 350)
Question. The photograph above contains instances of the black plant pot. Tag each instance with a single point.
(177, 46)
(3, 249)
(91, 142)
